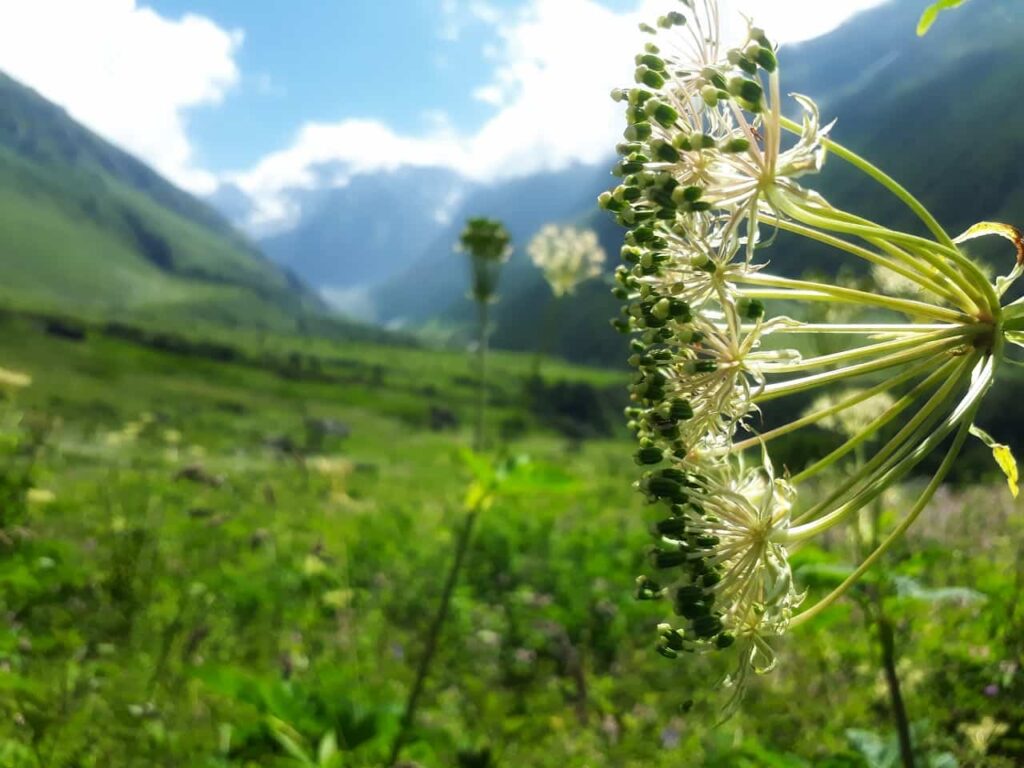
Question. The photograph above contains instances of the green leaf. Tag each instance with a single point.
(1003, 456)
(289, 740)
(932, 12)
(327, 754)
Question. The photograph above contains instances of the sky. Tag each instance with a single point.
(263, 95)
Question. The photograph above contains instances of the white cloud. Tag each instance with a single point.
(123, 70)
(556, 62)
(342, 150)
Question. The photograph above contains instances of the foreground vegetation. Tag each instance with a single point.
(229, 556)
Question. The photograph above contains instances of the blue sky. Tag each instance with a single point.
(310, 60)
(262, 95)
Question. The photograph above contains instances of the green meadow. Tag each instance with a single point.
(230, 555)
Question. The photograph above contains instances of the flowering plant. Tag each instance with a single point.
(488, 245)
(708, 171)
(567, 257)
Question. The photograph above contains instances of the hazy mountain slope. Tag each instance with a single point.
(435, 285)
(85, 226)
(940, 114)
(369, 230)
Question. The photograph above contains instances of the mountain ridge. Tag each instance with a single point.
(87, 227)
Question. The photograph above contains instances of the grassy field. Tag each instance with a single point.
(227, 553)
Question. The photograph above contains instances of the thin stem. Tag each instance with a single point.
(858, 353)
(546, 335)
(854, 296)
(882, 178)
(483, 319)
(869, 329)
(970, 278)
(952, 292)
(919, 419)
(433, 634)
(898, 532)
(887, 640)
(849, 402)
(899, 463)
(783, 389)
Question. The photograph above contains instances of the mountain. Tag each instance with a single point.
(85, 227)
(940, 114)
(374, 227)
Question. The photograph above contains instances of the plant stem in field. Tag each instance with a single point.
(433, 635)
(546, 333)
(481, 412)
(887, 639)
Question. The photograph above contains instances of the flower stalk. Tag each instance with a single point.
(711, 172)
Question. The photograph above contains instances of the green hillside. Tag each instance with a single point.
(86, 228)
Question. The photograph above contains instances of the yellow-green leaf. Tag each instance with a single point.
(1004, 458)
(13, 379)
(1005, 231)
(931, 13)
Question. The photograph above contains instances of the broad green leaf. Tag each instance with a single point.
(931, 13)
(1004, 458)
(289, 740)
(327, 754)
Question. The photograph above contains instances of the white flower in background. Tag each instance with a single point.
(567, 256)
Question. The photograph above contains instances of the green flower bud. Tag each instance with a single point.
(674, 526)
(661, 112)
(681, 410)
(665, 152)
(766, 59)
(639, 132)
(724, 641)
(714, 77)
(736, 145)
(707, 627)
(664, 560)
(690, 593)
(707, 541)
(650, 61)
(663, 488)
(751, 309)
(673, 19)
(649, 456)
(649, 77)
(748, 90)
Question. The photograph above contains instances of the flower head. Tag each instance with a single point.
(705, 168)
(567, 256)
(488, 245)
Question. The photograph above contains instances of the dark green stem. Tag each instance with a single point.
(433, 634)
(886, 637)
(546, 334)
(481, 412)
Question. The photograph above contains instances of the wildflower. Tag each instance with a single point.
(705, 168)
(489, 246)
(567, 257)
